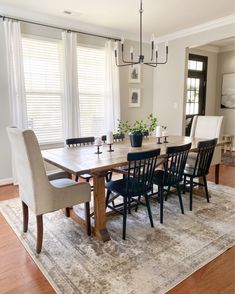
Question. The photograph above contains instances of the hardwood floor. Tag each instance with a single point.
(19, 273)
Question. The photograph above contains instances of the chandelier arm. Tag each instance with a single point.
(125, 64)
(151, 64)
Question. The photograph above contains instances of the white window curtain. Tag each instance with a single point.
(112, 90)
(15, 72)
(15, 68)
(71, 96)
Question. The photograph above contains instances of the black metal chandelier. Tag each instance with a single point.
(154, 50)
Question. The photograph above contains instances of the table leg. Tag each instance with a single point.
(100, 230)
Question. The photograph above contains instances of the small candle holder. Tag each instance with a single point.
(98, 150)
(159, 140)
(110, 148)
(165, 139)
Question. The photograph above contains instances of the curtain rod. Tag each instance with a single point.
(59, 28)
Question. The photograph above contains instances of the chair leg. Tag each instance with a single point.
(168, 190)
(191, 195)
(160, 193)
(137, 203)
(124, 218)
(129, 205)
(206, 189)
(39, 219)
(184, 185)
(180, 198)
(108, 193)
(217, 166)
(87, 217)
(67, 211)
(149, 210)
(25, 217)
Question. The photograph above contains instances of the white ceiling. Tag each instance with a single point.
(160, 16)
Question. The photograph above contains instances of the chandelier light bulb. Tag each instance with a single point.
(153, 61)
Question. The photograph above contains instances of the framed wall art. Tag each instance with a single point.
(135, 73)
(134, 97)
(228, 91)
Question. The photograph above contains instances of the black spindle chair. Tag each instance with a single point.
(138, 181)
(200, 169)
(82, 141)
(172, 173)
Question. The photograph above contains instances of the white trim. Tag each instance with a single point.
(230, 19)
(209, 48)
(227, 48)
(6, 181)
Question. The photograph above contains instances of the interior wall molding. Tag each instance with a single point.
(220, 22)
(6, 181)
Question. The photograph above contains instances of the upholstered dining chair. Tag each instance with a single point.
(208, 127)
(37, 192)
(137, 182)
(172, 173)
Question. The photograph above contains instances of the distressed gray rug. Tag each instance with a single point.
(151, 260)
(228, 158)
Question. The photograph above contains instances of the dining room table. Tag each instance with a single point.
(78, 160)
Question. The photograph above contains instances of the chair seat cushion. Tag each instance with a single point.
(120, 187)
(61, 183)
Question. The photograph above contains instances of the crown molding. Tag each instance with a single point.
(227, 20)
(209, 48)
(227, 48)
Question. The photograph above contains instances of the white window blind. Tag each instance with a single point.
(91, 67)
(43, 83)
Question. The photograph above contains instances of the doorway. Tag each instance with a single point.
(196, 88)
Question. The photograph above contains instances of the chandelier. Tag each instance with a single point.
(154, 50)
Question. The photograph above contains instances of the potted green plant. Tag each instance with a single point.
(138, 129)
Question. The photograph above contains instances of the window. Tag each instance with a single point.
(91, 67)
(43, 84)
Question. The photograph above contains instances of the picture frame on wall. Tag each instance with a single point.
(134, 97)
(135, 73)
(228, 91)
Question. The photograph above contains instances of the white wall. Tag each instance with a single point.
(146, 86)
(226, 64)
(169, 80)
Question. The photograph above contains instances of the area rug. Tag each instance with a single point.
(151, 260)
(228, 158)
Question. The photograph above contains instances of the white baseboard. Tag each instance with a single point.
(6, 181)
(10, 180)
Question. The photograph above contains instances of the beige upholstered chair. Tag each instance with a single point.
(208, 127)
(37, 192)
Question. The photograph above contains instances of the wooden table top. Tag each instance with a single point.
(82, 159)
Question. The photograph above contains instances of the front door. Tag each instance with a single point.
(196, 89)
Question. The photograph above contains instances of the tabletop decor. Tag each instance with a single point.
(98, 143)
(138, 129)
(109, 141)
(158, 134)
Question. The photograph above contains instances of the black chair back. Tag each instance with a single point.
(116, 137)
(204, 157)
(141, 167)
(175, 163)
(80, 141)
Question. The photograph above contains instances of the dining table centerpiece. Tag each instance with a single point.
(138, 129)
